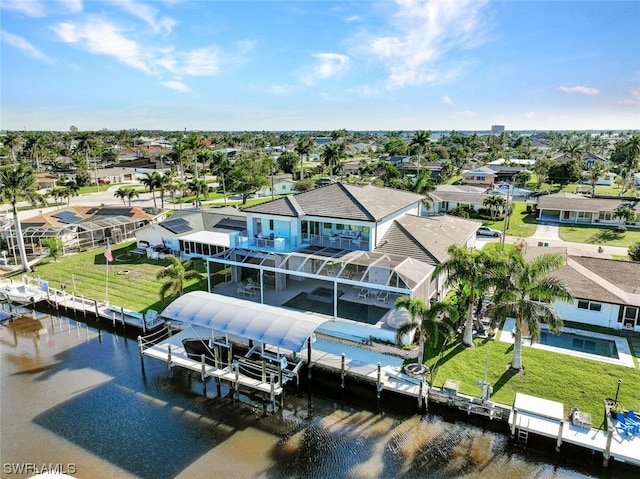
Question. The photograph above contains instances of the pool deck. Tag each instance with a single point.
(625, 358)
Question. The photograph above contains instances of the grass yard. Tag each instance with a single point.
(558, 377)
(85, 275)
(598, 235)
(521, 224)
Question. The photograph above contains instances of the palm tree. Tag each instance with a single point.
(526, 291)
(495, 204)
(596, 172)
(176, 274)
(199, 187)
(625, 214)
(331, 155)
(131, 194)
(221, 167)
(35, 147)
(573, 150)
(469, 267)
(193, 145)
(303, 148)
(152, 181)
(427, 322)
(19, 183)
(122, 194)
(70, 189)
(11, 141)
(422, 140)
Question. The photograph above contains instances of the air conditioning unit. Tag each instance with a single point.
(628, 326)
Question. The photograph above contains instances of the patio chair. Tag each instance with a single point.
(383, 296)
(251, 284)
(363, 293)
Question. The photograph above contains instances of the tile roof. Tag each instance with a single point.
(426, 239)
(363, 203)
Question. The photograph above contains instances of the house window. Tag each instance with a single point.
(606, 216)
(270, 225)
(339, 227)
(591, 306)
(327, 226)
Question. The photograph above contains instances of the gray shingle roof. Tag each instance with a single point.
(363, 203)
(426, 239)
(572, 202)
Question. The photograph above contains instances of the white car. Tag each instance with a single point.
(486, 231)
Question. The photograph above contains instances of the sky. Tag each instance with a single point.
(319, 65)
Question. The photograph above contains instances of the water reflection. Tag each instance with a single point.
(77, 395)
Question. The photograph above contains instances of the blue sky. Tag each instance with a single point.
(319, 65)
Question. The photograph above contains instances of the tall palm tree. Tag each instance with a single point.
(525, 291)
(18, 183)
(469, 267)
(303, 148)
(596, 172)
(429, 323)
(194, 146)
(152, 181)
(421, 140)
(176, 276)
(221, 167)
(331, 155)
(34, 147)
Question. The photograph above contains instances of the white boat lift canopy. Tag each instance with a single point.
(271, 325)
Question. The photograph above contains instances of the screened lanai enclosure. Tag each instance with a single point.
(77, 233)
(356, 285)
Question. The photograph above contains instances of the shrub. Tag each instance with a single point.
(634, 251)
(621, 229)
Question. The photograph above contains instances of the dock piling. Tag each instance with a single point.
(140, 350)
(203, 376)
(168, 354)
(379, 381)
(342, 370)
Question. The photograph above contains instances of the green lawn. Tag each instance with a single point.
(85, 274)
(598, 235)
(521, 223)
(558, 377)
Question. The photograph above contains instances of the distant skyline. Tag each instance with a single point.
(319, 65)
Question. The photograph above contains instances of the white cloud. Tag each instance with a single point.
(32, 8)
(147, 14)
(176, 85)
(469, 114)
(422, 33)
(582, 90)
(531, 115)
(328, 65)
(201, 62)
(633, 98)
(23, 45)
(73, 6)
(103, 38)
(447, 100)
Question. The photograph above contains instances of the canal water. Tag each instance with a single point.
(74, 398)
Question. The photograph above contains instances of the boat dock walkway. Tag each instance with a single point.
(547, 418)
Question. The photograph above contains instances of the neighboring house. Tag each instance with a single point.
(83, 227)
(572, 208)
(282, 185)
(195, 233)
(396, 159)
(45, 181)
(588, 159)
(448, 197)
(480, 176)
(606, 292)
(351, 250)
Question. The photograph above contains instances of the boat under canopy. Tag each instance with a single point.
(275, 326)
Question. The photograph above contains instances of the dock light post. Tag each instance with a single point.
(618, 390)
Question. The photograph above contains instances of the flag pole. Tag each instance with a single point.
(107, 282)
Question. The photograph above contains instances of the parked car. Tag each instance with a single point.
(486, 231)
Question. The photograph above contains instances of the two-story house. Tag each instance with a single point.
(344, 251)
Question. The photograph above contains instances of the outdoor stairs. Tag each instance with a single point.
(523, 436)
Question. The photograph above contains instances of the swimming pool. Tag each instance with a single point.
(364, 313)
(583, 344)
